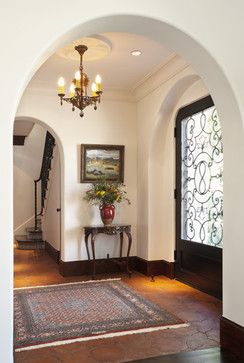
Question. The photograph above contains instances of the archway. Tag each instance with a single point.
(161, 174)
(221, 90)
(59, 143)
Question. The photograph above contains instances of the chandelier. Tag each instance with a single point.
(79, 97)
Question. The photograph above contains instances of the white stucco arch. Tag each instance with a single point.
(161, 175)
(162, 23)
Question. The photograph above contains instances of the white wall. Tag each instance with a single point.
(51, 218)
(156, 111)
(27, 166)
(114, 122)
(189, 28)
(23, 201)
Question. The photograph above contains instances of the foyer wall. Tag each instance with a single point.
(114, 122)
(156, 156)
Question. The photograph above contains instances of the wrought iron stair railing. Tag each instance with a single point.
(44, 175)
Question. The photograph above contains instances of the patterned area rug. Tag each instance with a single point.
(66, 313)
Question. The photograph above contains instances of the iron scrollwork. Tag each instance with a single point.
(202, 178)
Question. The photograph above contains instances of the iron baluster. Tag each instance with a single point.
(44, 174)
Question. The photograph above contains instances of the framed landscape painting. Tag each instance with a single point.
(102, 162)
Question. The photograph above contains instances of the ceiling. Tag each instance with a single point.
(118, 68)
(22, 127)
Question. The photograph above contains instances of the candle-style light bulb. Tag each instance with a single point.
(72, 90)
(61, 83)
(98, 81)
(94, 89)
(77, 79)
(77, 75)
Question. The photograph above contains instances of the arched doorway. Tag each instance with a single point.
(199, 196)
(155, 28)
(46, 199)
(163, 186)
(161, 168)
(37, 201)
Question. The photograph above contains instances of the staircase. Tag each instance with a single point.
(33, 238)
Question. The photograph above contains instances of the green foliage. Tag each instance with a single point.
(106, 193)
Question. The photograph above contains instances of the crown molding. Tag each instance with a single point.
(154, 70)
(121, 95)
(41, 88)
(158, 76)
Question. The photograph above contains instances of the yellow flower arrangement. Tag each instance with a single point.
(106, 193)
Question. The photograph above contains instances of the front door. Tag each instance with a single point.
(199, 197)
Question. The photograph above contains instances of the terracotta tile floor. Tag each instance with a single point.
(200, 310)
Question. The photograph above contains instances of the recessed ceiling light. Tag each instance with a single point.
(136, 52)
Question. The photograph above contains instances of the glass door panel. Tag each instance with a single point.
(202, 178)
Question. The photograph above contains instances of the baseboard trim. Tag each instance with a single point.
(148, 268)
(55, 254)
(154, 268)
(84, 267)
(232, 337)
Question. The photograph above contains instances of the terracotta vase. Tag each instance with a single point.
(107, 212)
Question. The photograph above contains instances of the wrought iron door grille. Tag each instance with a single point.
(202, 178)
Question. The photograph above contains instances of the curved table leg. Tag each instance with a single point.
(121, 244)
(86, 242)
(128, 234)
(93, 236)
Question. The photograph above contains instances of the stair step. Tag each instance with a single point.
(33, 233)
(25, 243)
(33, 230)
(25, 238)
(34, 236)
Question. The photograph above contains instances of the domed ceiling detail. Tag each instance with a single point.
(98, 48)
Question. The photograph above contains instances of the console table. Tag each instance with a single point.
(118, 229)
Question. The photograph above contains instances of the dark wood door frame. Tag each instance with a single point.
(206, 261)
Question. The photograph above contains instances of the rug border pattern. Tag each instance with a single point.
(108, 329)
